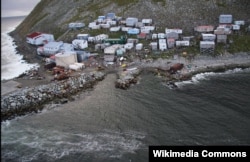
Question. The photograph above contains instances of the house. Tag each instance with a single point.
(93, 25)
(80, 44)
(132, 40)
(133, 31)
(207, 47)
(129, 46)
(50, 48)
(182, 43)
(101, 19)
(139, 46)
(76, 25)
(115, 29)
(111, 50)
(222, 31)
(110, 16)
(221, 38)
(66, 58)
(171, 42)
(162, 44)
(161, 35)
(99, 38)
(239, 22)
(225, 19)
(82, 36)
(173, 35)
(125, 29)
(105, 26)
(131, 21)
(154, 36)
(204, 28)
(150, 28)
(236, 27)
(38, 38)
(147, 21)
(208, 37)
(139, 24)
(179, 31)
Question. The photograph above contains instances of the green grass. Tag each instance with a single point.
(241, 43)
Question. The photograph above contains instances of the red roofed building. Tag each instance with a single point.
(38, 38)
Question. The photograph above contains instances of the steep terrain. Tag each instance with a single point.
(53, 16)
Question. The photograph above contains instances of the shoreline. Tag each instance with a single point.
(30, 86)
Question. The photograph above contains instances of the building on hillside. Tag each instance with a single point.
(154, 46)
(142, 36)
(147, 22)
(80, 44)
(207, 47)
(162, 44)
(76, 25)
(204, 28)
(38, 38)
(134, 31)
(208, 37)
(121, 40)
(173, 35)
(82, 36)
(171, 42)
(182, 43)
(179, 31)
(131, 21)
(225, 19)
(110, 16)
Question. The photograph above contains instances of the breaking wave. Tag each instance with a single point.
(55, 145)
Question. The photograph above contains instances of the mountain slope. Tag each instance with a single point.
(53, 16)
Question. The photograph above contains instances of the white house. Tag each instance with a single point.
(115, 29)
(80, 44)
(38, 38)
(129, 46)
(179, 31)
(161, 35)
(82, 36)
(182, 43)
(76, 25)
(139, 46)
(208, 37)
(225, 19)
(146, 21)
(131, 21)
(111, 50)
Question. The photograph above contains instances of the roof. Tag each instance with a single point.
(33, 35)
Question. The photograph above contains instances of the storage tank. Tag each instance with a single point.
(66, 58)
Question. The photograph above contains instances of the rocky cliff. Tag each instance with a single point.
(53, 16)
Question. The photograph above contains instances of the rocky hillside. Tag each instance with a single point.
(53, 16)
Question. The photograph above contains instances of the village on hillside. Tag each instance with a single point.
(124, 39)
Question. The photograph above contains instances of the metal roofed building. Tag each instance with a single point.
(207, 47)
(225, 19)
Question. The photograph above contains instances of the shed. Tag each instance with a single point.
(131, 21)
(208, 37)
(225, 19)
(66, 58)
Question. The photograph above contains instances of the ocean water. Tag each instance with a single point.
(12, 63)
(109, 124)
